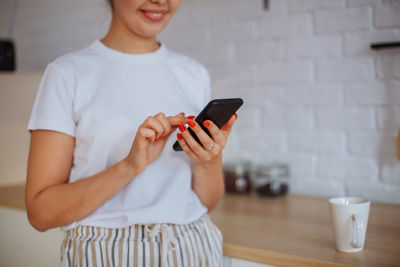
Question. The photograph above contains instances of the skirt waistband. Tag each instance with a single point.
(136, 232)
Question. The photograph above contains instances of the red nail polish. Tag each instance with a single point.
(179, 136)
(235, 116)
(206, 123)
(191, 117)
(181, 127)
(191, 123)
(155, 139)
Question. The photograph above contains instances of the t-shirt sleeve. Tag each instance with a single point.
(53, 106)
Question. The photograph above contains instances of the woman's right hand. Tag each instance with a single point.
(150, 140)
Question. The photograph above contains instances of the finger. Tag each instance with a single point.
(204, 138)
(172, 127)
(186, 148)
(164, 122)
(216, 133)
(181, 114)
(226, 129)
(175, 120)
(193, 144)
(146, 133)
(154, 124)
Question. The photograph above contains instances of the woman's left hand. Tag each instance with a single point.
(210, 148)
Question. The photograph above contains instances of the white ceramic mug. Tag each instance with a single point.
(349, 218)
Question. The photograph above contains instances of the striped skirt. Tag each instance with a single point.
(198, 243)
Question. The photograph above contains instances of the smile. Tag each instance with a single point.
(154, 15)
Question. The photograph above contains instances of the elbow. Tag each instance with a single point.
(42, 220)
(36, 223)
(212, 204)
(37, 218)
(40, 229)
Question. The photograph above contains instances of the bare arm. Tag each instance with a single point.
(208, 183)
(51, 201)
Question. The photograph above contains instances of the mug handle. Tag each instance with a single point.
(357, 230)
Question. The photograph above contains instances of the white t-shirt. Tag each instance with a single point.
(101, 96)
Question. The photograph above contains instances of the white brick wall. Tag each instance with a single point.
(340, 20)
(319, 94)
(286, 26)
(306, 5)
(282, 118)
(250, 51)
(375, 145)
(326, 187)
(358, 42)
(345, 119)
(352, 3)
(372, 93)
(388, 67)
(348, 168)
(315, 47)
(387, 15)
(287, 71)
(391, 172)
(232, 76)
(269, 141)
(348, 69)
(321, 143)
(44, 29)
(316, 96)
(388, 119)
(380, 191)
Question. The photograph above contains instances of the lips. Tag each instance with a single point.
(152, 14)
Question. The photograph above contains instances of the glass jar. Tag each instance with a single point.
(237, 177)
(271, 180)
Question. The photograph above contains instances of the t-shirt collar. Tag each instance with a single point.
(145, 58)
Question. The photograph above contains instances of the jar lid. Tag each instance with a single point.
(236, 167)
(272, 170)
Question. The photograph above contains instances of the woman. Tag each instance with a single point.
(101, 163)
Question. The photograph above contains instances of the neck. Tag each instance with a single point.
(121, 39)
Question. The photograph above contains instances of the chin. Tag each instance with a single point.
(151, 31)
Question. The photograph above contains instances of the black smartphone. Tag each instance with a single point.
(218, 111)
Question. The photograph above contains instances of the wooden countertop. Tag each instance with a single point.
(287, 231)
(297, 231)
